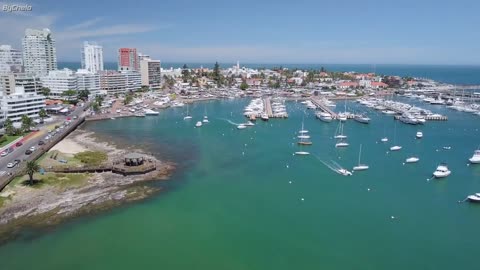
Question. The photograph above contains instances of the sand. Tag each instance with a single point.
(68, 146)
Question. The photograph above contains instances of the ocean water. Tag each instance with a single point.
(235, 201)
(455, 74)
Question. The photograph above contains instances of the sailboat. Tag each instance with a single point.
(342, 117)
(205, 117)
(385, 138)
(188, 116)
(340, 134)
(360, 166)
(395, 147)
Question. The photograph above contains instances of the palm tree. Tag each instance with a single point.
(99, 100)
(32, 167)
(42, 114)
(9, 128)
(27, 123)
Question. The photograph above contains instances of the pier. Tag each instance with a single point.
(324, 107)
(269, 111)
(429, 117)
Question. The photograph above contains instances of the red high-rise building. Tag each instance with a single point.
(128, 59)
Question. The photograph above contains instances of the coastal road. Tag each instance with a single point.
(33, 140)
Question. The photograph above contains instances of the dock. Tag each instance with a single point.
(268, 109)
(429, 117)
(320, 105)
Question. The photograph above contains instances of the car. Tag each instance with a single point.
(4, 153)
(75, 117)
(16, 162)
(41, 142)
(47, 138)
(10, 165)
(32, 148)
(28, 152)
(10, 150)
(18, 144)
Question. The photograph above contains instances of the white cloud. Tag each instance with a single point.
(119, 29)
(84, 24)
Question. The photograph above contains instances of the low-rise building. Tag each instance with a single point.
(112, 82)
(133, 80)
(19, 103)
(87, 80)
(59, 81)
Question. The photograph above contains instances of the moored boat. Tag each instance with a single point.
(475, 159)
(441, 171)
(412, 160)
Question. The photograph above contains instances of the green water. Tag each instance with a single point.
(230, 204)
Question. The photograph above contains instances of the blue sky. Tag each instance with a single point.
(340, 31)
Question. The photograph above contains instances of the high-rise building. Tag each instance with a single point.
(92, 57)
(128, 59)
(151, 73)
(59, 81)
(39, 53)
(10, 60)
(133, 80)
(87, 80)
(142, 56)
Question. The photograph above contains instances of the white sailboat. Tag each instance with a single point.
(188, 116)
(412, 160)
(395, 147)
(339, 132)
(385, 138)
(198, 124)
(302, 153)
(360, 166)
(475, 159)
(341, 143)
(205, 117)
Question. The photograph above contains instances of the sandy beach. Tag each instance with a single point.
(68, 146)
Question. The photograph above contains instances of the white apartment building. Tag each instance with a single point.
(112, 82)
(133, 80)
(87, 80)
(19, 103)
(30, 84)
(151, 73)
(59, 81)
(92, 57)
(7, 84)
(10, 60)
(39, 53)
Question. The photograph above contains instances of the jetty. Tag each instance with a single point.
(322, 106)
(429, 117)
(268, 110)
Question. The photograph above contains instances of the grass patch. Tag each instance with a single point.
(91, 157)
(8, 139)
(2, 200)
(59, 180)
(53, 157)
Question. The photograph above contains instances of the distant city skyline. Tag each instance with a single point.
(345, 32)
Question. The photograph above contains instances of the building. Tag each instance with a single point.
(59, 81)
(87, 80)
(128, 59)
(151, 73)
(142, 56)
(92, 57)
(133, 80)
(112, 82)
(39, 53)
(19, 103)
(30, 84)
(10, 60)
(7, 84)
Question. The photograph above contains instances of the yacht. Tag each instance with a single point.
(384, 139)
(441, 171)
(323, 116)
(241, 126)
(419, 135)
(264, 117)
(198, 124)
(360, 166)
(475, 159)
(342, 117)
(395, 148)
(150, 112)
(302, 153)
(408, 119)
(205, 119)
(474, 198)
(344, 172)
(362, 119)
(249, 123)
(412, 160)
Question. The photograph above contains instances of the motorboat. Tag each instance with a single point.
(441, 171)
(342, 117)
(323, 116)
(360, 166)
(412, 160)
(408, 119)
(474, 198)
(241, 126)
(150, 112)
(249, 124)
(205, 119)
(475, 159)
(362, 119)
(188, 117)
(198, 124)
(264, 117)
(344, 172)
(419, 135)
(395, 148)
(302, 153)
(384, 139)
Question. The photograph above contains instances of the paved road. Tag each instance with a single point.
(19, 152)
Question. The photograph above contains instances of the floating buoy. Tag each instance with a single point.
(289, 182)
(245, 145)
(392, 217)
(403, 163)
(368, 189)
(303, 199)
(287, 166)
(243, 153)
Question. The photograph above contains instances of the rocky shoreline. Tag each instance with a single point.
(29, 206)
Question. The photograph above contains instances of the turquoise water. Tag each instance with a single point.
(230, 204)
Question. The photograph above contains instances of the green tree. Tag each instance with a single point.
(144, 88)
(42, 114)
(128, 99)
(69, 93)
(9, 128)
(27, 123)
(95, 107)
(99, 100)
(32, 167)
(244, 86)
(45, 91)
(83, 94)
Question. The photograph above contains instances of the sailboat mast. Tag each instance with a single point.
(359, 154)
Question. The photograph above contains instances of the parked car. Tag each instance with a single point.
(32, 148)
(4, 153)
(28, 152)
(18, 144)
(16, 162)
(10, 165)
(41, 142)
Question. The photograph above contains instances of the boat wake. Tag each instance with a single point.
(229, 121)
(332, 165)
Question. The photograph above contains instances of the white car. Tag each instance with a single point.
(32, 148)
(10, 165)
(4, 153)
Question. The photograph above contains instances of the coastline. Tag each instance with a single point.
(73, 195)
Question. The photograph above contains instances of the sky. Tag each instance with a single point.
(270, 31)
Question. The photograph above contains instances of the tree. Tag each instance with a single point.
(32, 167)
(45, 91)
(83, 94)
(144, 88)
(244, 86)
(185, 73)
(9, 128)
(95, 107)
(42, 114)
(99, 100)
(27, 123)
(69, 93)
(128, 99)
